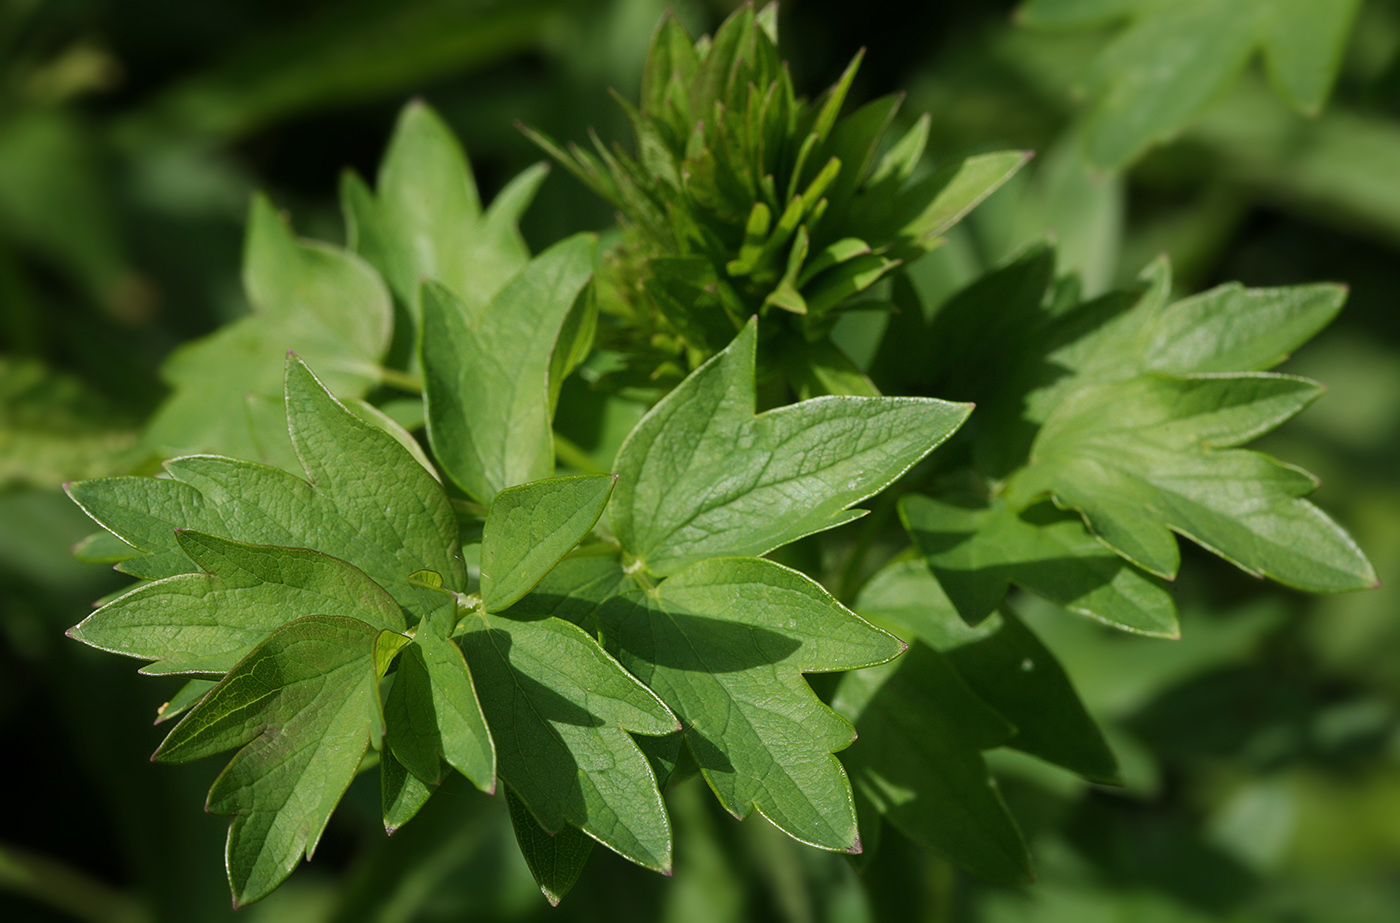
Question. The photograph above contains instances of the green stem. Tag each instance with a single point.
(66, 889)
(469, 507)
(396, 378)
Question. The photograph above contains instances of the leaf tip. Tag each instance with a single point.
(856, 847)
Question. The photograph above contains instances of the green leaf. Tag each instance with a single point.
(530, 527)
(432, 712)
(701, 475)
(206, 623)
(301, 707)
(486, 371)
(555, 859)
(188, 697)
(923, 212)
(1154, 455)
(1002, 662)
(1177, 55)
(559, 709)
(320, 301)
(918, 761)
(724, 643)
(975, 551)
(368, 502)
(401, 792)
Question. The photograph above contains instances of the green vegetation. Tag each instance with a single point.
(824, 503)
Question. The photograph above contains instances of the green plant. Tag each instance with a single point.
(344, 599)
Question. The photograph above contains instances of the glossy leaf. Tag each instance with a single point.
(702, 476)
(724, 643)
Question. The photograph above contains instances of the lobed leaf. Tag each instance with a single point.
(1152, 456)
(302, 707)
(724, 643)
(390, 524)
(207, 622)
(702, 476)
(559, 709)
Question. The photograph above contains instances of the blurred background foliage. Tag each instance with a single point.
(1261, 751)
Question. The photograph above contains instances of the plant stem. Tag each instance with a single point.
(396, 378)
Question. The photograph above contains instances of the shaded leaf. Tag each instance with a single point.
(322, 302)
(559, 709)
(301, 707)
(724, 643)
(918, 761)
(975, 551)
(1002, 662)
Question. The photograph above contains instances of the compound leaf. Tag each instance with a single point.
(207, 622)
(975, 551)
(530, 527)
(1154, 455)
(702, 476)
(724, 643)
(559, 708)
(302, 707)
(368, 502)
(1002, 662)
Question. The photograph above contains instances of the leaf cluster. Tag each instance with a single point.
(577, 642)
(741, 197)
